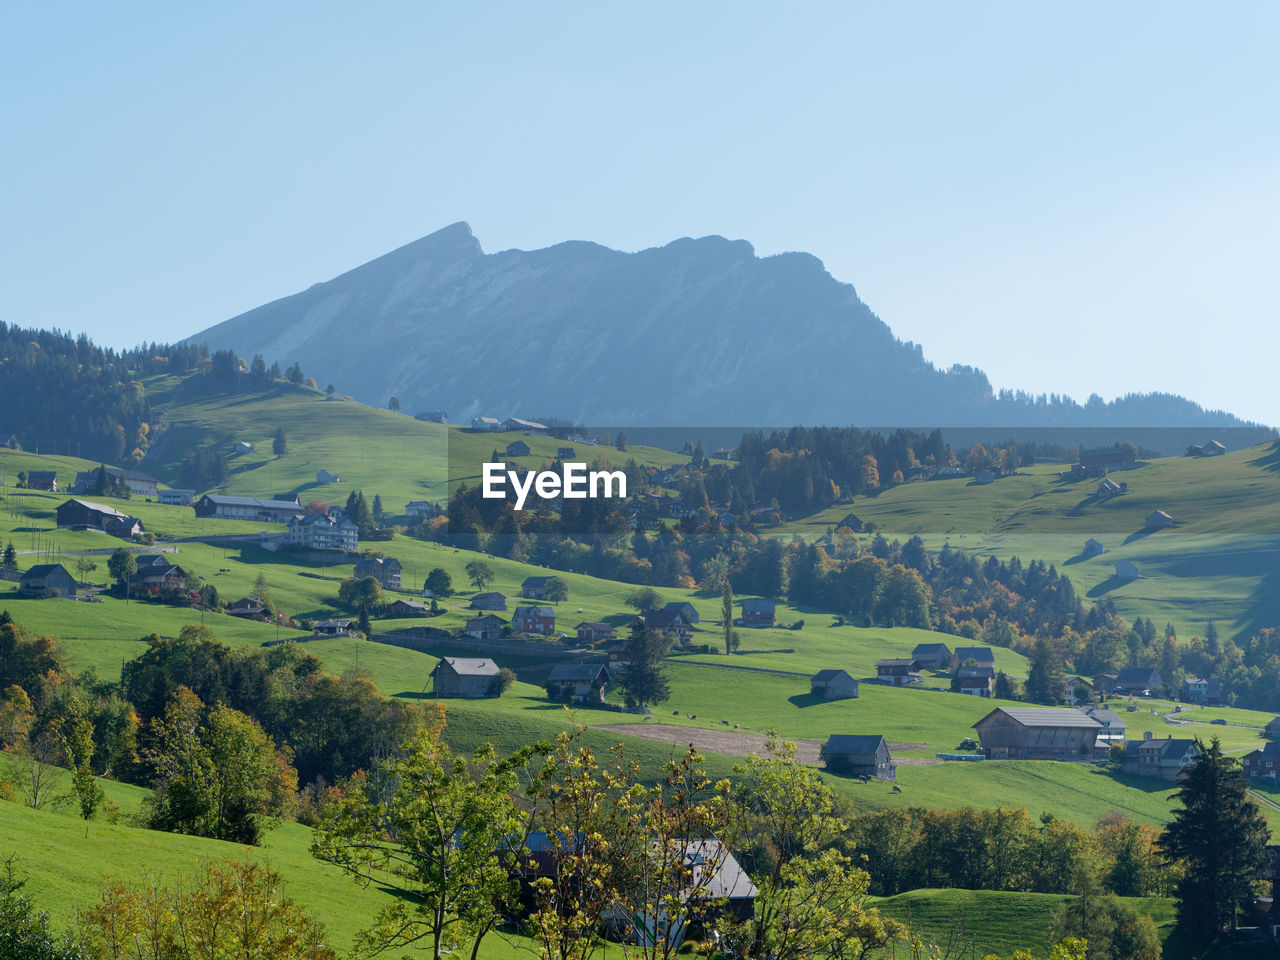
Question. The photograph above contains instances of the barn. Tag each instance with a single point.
(1037, 733)
(859, 755)
(464, 677)
(833, 685)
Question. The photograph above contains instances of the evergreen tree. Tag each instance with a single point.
(377, 508)
(10, 556)
(394, 404)
(1221, 837)
(1045, 677)
(279, 443)
(439, 583)
(643, 680)
(726, 614)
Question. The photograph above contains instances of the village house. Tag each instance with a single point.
(670, 622)
(1165, 759)
(489, 601)
(1263, 762)
(334, 628)
(1098, 462)
(1159, 520)
(226, 507)
(247, 608)
(534, 619)
(95, 516)
(859, 755)
(898, 672)
(1105, 683)
(465, 677)
(1113, 728)
(486, 424)
(1037, 733)
(156, 573)
(981, 657)
(518, 448)
(1093, 548)
(1206, 691)
(932, 656)
(47, 580)
(593, 631)
(139, 484)
(1126, 570)
(42, 480)
(319, 531)
(422, 509)
(516, 425)
(852, 521)
(324, 476)
(1272, 730)
(577, 682)
(757, 612)
(243, 447)
(485, 626)
(408, 608)
(685, 609)
(386, 570)
(432, 416)
(177, 497)
(1108, 488)
(833, 685)
(1138, 680)
(534, 588)
(975, 681)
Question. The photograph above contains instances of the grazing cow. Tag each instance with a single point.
(896, 788)
(724, 723)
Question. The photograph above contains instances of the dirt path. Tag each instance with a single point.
(734, 743)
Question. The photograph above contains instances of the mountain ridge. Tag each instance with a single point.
(699, 331)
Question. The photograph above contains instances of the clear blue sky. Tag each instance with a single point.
(1077, 198)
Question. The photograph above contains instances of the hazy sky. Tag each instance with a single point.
(1083, 198)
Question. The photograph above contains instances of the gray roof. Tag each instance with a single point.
(757, 603)
(923, 649)
(981, 654)
(41, 570)
(1108, 718)
(822, 676)
(892, 662)
(470, 666)
(1045, 717)
(576, 673)
(222, 499)
(729, 882)
(976, 673)
(535, 611)
(853, 744)
(99, 507)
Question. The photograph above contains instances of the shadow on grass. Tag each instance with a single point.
(803, 700)
(1139, 535)
(1106, 586)
(1269, 461)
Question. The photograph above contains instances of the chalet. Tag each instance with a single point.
(981, 657)
(1138, 680)
(408, 608)
(1212, 448)
(126, 528)
(592, 631)
(975, 681)
(516, 425)
(1037, 733)
(577, 682)
(319, 531)
(670, 622)
(534, 619)
(42, 480)
(334, 628)
(757, 612)
(47, 580)
(155, 574)
(898, 672)
(488, 601)
(465, 677)
(1202, 690)
(1105, 683)
(1159, 520)
(1108, 488)
(1126, 571)
(518, 448)
(1163, 758)
(833, 685)
(138, 483)
(1097, 462)
(177, 497)
(227, 507)
(685, 609)
(422, 508)
(934, 656)
(1092, 548)
(386, 570)
(243, 446)
(534, 588)
(246, 607)
(1195, 450)
(432, 416)
(852, 522)
(1113, 728)
(324, 476)
(1272, 730)
(859, 755)
(1263, 762)
(485, 626)
(486, 424)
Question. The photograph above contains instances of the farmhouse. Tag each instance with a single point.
(432, 416)
(1163, 758)
(981, 657)
(685, 609)
(577, 682)
(898, 672)
(408, 608)
(833, 685)
(421, 509)
(757, 612)
(42, 480)
(670, 622)
(138, 483)
(1108, 488)
(591, 631)
(852, 521)
(859, 755)
(177, 497)
(155, 574)
(516, 425)
(1210, 448)
(386, 570)
(1202, 690)
(1037, 733)
(1138, 680)
(324, 476)
(246, 607)
(1092, 548)
(95, 516)
(1097, 462)
(518, 448)
(1113, 728)
(247, 508)
(488, 601)
(318, 531)
(485, 626)
(1105, 683)
(1272, 730)
(975, 681)
(934, 656)
(534, 588)
(465, 677)
(1159, 520)
(1126, 570)
(334, 628)
(243, 446)
(1263, 762)
(47, 580)
(534, 619)
(486, 424)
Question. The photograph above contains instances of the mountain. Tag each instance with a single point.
(699, 332)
